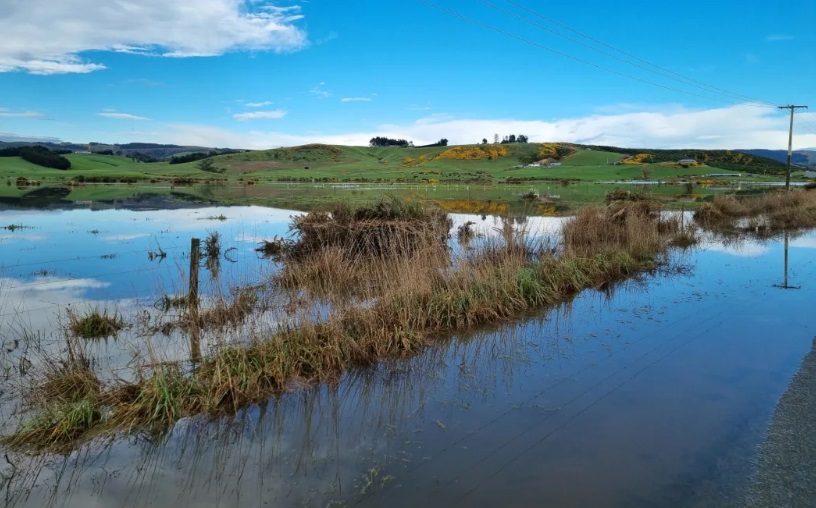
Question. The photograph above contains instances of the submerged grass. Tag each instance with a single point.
(403, 300)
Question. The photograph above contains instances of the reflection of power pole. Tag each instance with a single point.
(792, 109)
(785, 284)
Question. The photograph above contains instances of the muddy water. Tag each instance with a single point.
(654, 394)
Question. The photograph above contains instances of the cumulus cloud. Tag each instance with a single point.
(275, 114)
(120, 116)
(741, 126)
(47, 37)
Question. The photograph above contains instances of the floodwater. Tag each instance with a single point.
(655, 393)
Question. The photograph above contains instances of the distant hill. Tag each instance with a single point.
(805, 158)
(140, 150)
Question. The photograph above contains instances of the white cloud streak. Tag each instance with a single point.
(779, 37)
(258, 104)
(356, 99)
(741, 126)
(48, 37)
(4, 113)
(320, 91)
(121, 116)
(275, 114)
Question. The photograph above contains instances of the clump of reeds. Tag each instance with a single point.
(212, 245)
(274, 248)
(95, 324)
(57, 426)
(221, 312)
(68, 382)
(169, 302)
(624, 195)
(391, 226)
(637, 229)
(777, 210)
(465, 233)
(229, 312)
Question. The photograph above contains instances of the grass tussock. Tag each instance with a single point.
(412, 297)
(390, 227)
(637, 229)
(773, 211)
(94, 325)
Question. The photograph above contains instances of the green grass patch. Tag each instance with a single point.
(94, 325)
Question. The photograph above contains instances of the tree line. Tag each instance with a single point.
(192, 157)
(39, 155)
(506, 140)
(384, 141)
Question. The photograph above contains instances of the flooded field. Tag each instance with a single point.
(654, 392)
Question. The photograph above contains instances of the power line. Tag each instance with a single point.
(575, 58)
(81, 258)
(678, 76)
(666, 73)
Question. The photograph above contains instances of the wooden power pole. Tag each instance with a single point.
(792, 109)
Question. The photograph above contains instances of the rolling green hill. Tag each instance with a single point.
(484, 164)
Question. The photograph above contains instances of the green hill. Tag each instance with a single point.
(474, 163)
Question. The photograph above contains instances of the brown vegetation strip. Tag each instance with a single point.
(770, 212)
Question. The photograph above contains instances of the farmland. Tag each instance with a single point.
(307, 177)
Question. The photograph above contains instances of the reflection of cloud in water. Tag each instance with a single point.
(804, 243)
(27, 238)
(52, 284)
(36, 303)
(741, 249)
(120, 238)
(491, 226)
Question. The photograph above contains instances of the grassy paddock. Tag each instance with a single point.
(403, 300)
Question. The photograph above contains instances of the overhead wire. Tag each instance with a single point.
(663, 69)
(81, 258)
(698, 84)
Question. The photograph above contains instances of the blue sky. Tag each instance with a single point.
(260, 74)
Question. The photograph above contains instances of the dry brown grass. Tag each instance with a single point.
(774, 211)
(391, 227)
(636, 229)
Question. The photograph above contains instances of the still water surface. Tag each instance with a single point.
(654, 394)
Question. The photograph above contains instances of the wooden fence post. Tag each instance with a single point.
(192, 301)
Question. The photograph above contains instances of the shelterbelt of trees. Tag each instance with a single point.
(38, 155)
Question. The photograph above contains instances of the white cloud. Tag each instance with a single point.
(260, 115)
(778, 37)
(320, 91)
(258, 104)
(356, 99)
(47, 37)
(742, 126)
(121, 116)
(4, 113)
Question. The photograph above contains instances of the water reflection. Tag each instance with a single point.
(785, 284)
(653, 393)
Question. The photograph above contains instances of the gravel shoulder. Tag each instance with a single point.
(786, 473)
